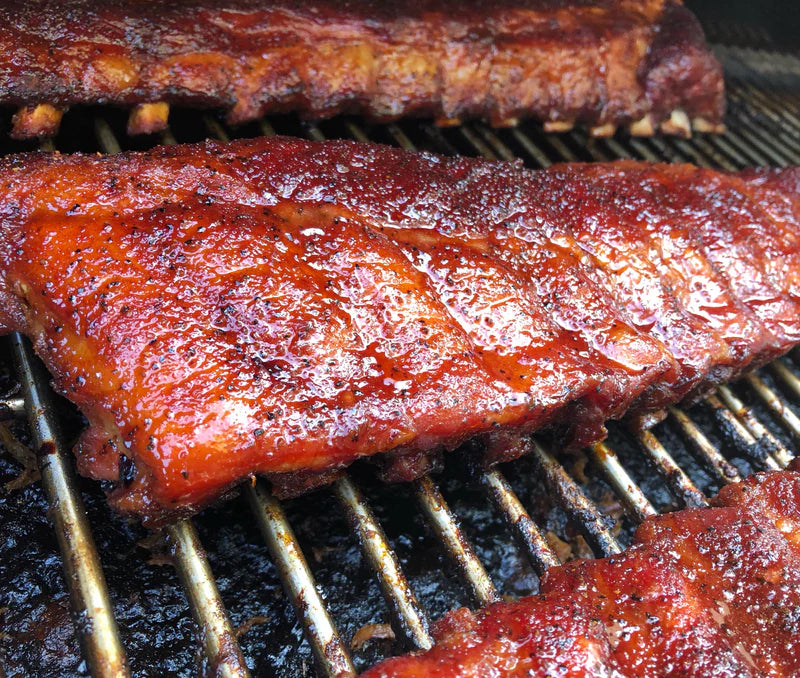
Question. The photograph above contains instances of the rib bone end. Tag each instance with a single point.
(706, 126)
(604, 131)
(559, 125)
(448, 122)
(643, 127)
(677, 124)
(148, 118)
(42, 120)
(504, 122)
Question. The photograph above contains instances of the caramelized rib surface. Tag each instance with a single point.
(673, 280)
(747, 575)
(613, 61)
(702, 592)
(283, 307)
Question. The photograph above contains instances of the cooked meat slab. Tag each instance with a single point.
(283, 307)
(641, 63)
(702, 592)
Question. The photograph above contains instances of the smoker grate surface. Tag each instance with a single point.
(424, 547)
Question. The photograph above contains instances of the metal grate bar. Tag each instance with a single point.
(788, 124)
(734, 158)
(593, 145)
(788, 418)
(636, 504)
(329, 651)
(788, 377)
(739, 435)
(436, 135)
(525, 530)
(314, 132)
(266, 127)
(752, 150)
(680, 484)
(667, 150)
(538, 155)
(449, 532)
(639, 146)
(781, 130)
(582, 511)
(356, 132)
(702, 446)
(776, 143)
(91, 603)
(477, 143)
(711, 157)
(409, 615)
(767, 98)
(773, 448)
(618, 151)
(688, 151)
(399, 136)
(754, 103)
(564, 154)
(215, 128)
(500, 148)
(217, 635)
(784, 147)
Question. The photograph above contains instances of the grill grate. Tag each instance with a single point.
(764, 129)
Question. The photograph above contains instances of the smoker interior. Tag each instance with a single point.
(38, 635)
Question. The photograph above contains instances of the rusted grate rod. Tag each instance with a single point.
(408, 614)
(775, 454)
(525, 530)
(788, 418)
(330, 653)
(580, 508)
(88, 591)
(702, 446)
(738, 434)
(449, 532)
(680, 483)
(216, 633)
(633, 499)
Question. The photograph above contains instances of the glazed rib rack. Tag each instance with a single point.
(752, 421)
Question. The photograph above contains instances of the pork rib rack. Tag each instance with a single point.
(283, 307)
(703, 592)
(640, 63)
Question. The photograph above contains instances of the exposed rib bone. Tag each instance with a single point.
(643, 127)
(606, 130)
(505, 122)
(148, 118)
(448, 122)
(700, 124)
(42, 120)
(678, 124)
(559, 125)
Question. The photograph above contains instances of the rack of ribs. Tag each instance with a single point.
(639, 63)
(702, 592)
(283, 307)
